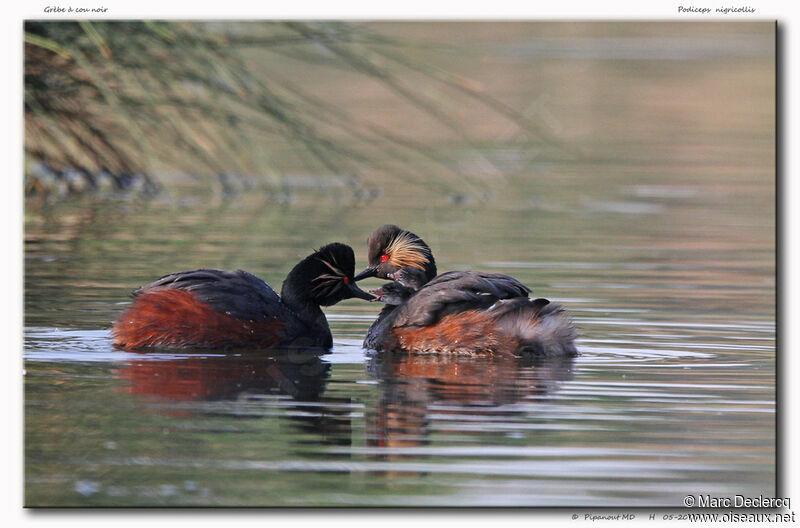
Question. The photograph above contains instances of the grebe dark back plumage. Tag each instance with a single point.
(457, 312)
(208, 308)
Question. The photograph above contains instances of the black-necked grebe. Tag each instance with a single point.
(209, 308)
(457, 312)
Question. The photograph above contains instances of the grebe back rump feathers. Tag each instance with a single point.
(236, 293)
(456, 291)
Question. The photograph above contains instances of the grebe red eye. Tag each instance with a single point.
(384, 257)
(346, 280)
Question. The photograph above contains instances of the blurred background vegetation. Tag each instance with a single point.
(233, 106)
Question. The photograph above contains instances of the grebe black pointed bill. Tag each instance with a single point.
(358, 292)
(369, 272)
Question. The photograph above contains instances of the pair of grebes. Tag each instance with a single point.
(456, 312)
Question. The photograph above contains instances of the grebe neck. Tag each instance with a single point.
(295, 294)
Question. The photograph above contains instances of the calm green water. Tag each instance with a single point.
(659, 241)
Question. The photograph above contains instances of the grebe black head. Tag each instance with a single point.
(391, 248)
(324, 278)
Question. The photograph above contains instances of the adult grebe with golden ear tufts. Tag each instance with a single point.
(462, 312)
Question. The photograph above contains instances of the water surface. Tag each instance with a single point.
(658, 239)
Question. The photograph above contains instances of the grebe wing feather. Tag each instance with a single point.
(456, 291)
(498, 284)
(236, 293)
